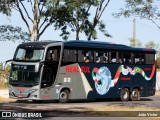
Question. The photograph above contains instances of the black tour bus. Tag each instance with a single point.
(56, 70)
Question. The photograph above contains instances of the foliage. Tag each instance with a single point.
(158, 62)
(75, 16)
(67, 15)
(152, 45)
(5, 6)
(10, 33)
(135, 43)
(4, 76)
(145, 9)
(35, 23)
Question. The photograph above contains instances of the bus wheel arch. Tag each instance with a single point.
(124, 94)
(135, 94)
(64, 95)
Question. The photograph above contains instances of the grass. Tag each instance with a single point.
(119, 111)
(121, 108)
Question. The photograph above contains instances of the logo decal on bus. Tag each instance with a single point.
(75, 69)
(103, 80)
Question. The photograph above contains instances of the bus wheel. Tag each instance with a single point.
(124, 94)
(64, 96)
(135, 95)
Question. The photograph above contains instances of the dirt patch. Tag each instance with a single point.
(4, 93)
(158, 93)
(7, 99)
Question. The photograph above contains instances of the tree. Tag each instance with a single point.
(11, 33)
(101, 6)
(145, 9)
(75, 16)
(158, 62)
(4, 7)
(65, 15)
(137, 44)
(153, 45)
(36, 23)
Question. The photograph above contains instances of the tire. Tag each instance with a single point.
(135, 95)
(64, 96)
(124, 95)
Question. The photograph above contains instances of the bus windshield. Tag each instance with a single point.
(29, 54)
(24, 74)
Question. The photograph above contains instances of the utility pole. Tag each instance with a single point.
(134, 32)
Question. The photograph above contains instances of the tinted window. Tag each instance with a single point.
(127, 57)
(85, 56)
(139, 58)
(69, 55)
(101, 56)
(149, 58)
(113, 57)
(53, 53)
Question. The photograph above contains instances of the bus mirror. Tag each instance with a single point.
(4, 64)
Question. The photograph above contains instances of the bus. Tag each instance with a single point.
(63, 71)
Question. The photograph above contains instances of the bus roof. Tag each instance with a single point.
(108, 45)
(38, 44)
(84, 43)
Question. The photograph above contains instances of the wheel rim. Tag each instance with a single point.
(134, 94)
(63, 96)
(125, 95)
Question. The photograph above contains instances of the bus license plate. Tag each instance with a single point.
(20, 95)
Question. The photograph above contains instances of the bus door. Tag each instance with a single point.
(49, 72)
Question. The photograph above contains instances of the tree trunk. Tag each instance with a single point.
(77, 34)
(92, 29)
(34, 33)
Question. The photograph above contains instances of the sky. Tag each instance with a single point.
(121, 30)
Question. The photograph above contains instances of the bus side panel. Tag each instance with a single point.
(114, 77)
(103, 73)
(71, 78)
(90, 80)
(148, 86)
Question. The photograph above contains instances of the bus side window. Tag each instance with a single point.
(150, 58)
(139, 58)
(101, 56)
(120, 57)
(69, 55)
(114, 57)
(88, 56)
(127, 57)
(65, 55)
(105, 57)
(80, 56)
(96, 57)
(53, 54)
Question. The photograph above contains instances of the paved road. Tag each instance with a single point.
(75, 108)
